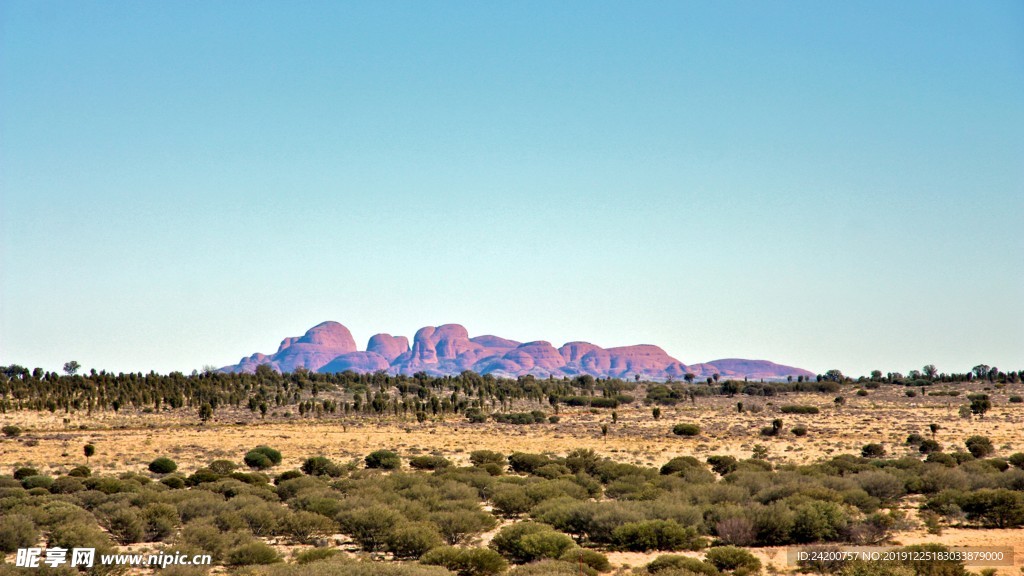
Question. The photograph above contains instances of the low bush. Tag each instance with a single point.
(262, 457)
(733, 559)
(481, 457)
(657, 535)
(322, 466)
(428, 462)
(17, 531)
(11, 431)
(521, 418)
(873, 450)
(315, 555)
(590, 558)
(254, 552)
(306, 527)
(162, 465)
(979, 446)
(527, 463)
(675, 562)
(686, 429)
(799, 409)
(173, 482)
(723, 464)
(80, 472)
(466, 561)
(37, 481)
(411, 540)
(528, 541)
(1017, 459)
(25, 472)
(383, 459)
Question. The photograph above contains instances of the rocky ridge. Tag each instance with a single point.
(448, 349)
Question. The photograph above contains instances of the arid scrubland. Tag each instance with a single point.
(566, 487)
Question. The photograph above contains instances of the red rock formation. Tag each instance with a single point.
(448, 349)
(388, 346)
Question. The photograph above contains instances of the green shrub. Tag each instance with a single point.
(680, 464)
(254, 552)
(526, 463)
(466, 561)
(591, 558)
(481, 457)
(262, 457)
(456, 526)
(733, 559)
(929, 446)
(818, 521)
(11, 431)
(67, 485)
(17, 531)
(979, 446)
(799, 430)
(528, 541)
(546, 567)
(322, 466)
(428, 462)
(384, 460)
(657, 535)
(1016, 399)
(305, 527)
(872, 450)
(316, 555)
(998, 508)
(37, 481)
(287, 475)
(511, 500)
(1017, 460)
(686, 429)
(173, 482)
(369, 526)
(723, 464)
(412, 539)
(915, 439)
(162, 465)
(25, 472)
(80, 472)
(676, 562)
(798, 409)
(222, 467)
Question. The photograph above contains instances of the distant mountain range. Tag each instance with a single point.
(448, 349)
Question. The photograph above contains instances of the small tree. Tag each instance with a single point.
(205, 412)
(70, 368)
(88, 450)
(980, 404)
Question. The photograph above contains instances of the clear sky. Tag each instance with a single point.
(823, 184)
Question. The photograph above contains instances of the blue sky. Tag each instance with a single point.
(828, 185)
